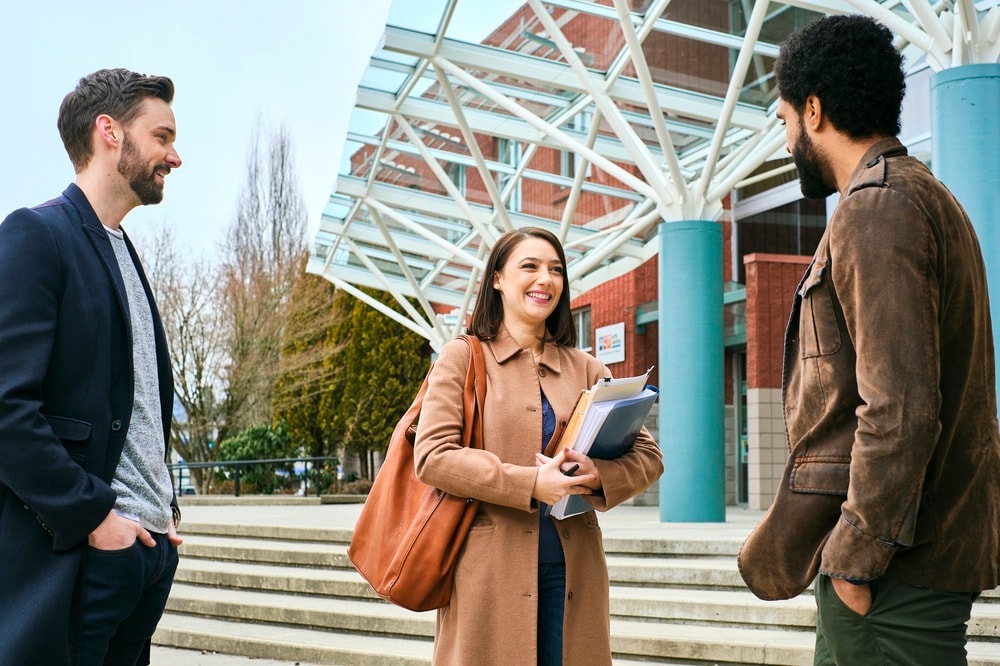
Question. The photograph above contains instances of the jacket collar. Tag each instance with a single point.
(871, 170)
(504, 348)
(79, 200)
(98, 237)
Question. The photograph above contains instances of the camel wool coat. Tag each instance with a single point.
(493, 612)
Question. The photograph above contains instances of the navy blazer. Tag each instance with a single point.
(66, 391)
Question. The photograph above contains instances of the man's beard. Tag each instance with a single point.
(140, 179)
(812, 177)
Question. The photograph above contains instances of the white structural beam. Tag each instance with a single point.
(557, 75)
(481, 122)
(659, 152)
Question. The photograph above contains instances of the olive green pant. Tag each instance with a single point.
(906, 626)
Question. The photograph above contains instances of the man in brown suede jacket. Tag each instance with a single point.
(892, 488)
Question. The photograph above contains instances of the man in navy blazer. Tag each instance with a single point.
(88, 540)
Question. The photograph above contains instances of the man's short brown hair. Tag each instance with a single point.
(118, 93)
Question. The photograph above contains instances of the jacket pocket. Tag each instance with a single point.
(818, 329)
(821, 477)
(73, 434)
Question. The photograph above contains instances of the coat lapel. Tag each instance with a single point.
(98, 237)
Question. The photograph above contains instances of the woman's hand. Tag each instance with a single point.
(552, 482)
(587, 468)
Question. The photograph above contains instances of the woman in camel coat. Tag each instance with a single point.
(528, 589)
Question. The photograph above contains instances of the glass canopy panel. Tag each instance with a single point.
(782, 20)
(424, 16)
(579, 29)
(706, 68)
(389, 72)
(363, 136)
(475, 21)
(541, 102)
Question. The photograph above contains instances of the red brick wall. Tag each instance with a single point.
(618, 300)
(771, 282)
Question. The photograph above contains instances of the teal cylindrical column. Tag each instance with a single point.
(965, 145)
(692, 412)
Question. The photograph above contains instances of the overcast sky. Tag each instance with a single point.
(296, 62)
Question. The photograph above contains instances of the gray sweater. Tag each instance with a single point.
(142, 481)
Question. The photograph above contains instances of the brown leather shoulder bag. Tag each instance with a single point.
(409, 534)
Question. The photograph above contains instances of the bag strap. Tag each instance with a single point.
(474, 395)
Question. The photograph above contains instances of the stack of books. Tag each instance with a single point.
(604, 425)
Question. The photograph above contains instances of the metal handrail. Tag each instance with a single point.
(238, 465)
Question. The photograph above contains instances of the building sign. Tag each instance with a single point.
(610, 343)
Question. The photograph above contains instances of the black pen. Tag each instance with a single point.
(572, 470)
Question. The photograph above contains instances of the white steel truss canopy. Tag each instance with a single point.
(595, 119)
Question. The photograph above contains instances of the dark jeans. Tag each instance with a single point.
(905, 625)
(124, 594)
(551, 604)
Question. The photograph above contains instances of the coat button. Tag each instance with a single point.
(541, 372)
(569, 597)
(116, 425)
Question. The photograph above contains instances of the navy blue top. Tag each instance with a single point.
(549, 547)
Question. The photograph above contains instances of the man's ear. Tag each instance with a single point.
(812, 113)
(108, 130)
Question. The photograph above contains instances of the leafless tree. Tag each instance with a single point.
(261, 262)
(187, 293)
(224, 317)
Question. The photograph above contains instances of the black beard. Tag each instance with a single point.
(142, 182)
(812, 178)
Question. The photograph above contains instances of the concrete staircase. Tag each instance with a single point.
(290, 593)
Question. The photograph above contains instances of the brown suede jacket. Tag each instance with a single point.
(889, 398)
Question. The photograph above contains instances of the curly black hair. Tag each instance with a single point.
(850, 64)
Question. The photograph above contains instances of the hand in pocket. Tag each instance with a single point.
(856, 597)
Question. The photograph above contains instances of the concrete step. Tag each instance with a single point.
(697, 644)
(316, 622)
(311, 579)
(701, 572)
(256, 597)
(634, 644)
(687, 624)
(290, 644)
(626, 545)
(640, 545)
(286, 534)
(668, 589)
(268, 551)
(327, 582)
(348, 649)
(288, 591)
(708, 571)
(712, 607)
(356, 615)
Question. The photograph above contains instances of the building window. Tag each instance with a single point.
(509, 153)
(570, 161)
(456, 174)
(584, 336)
(789, 228)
